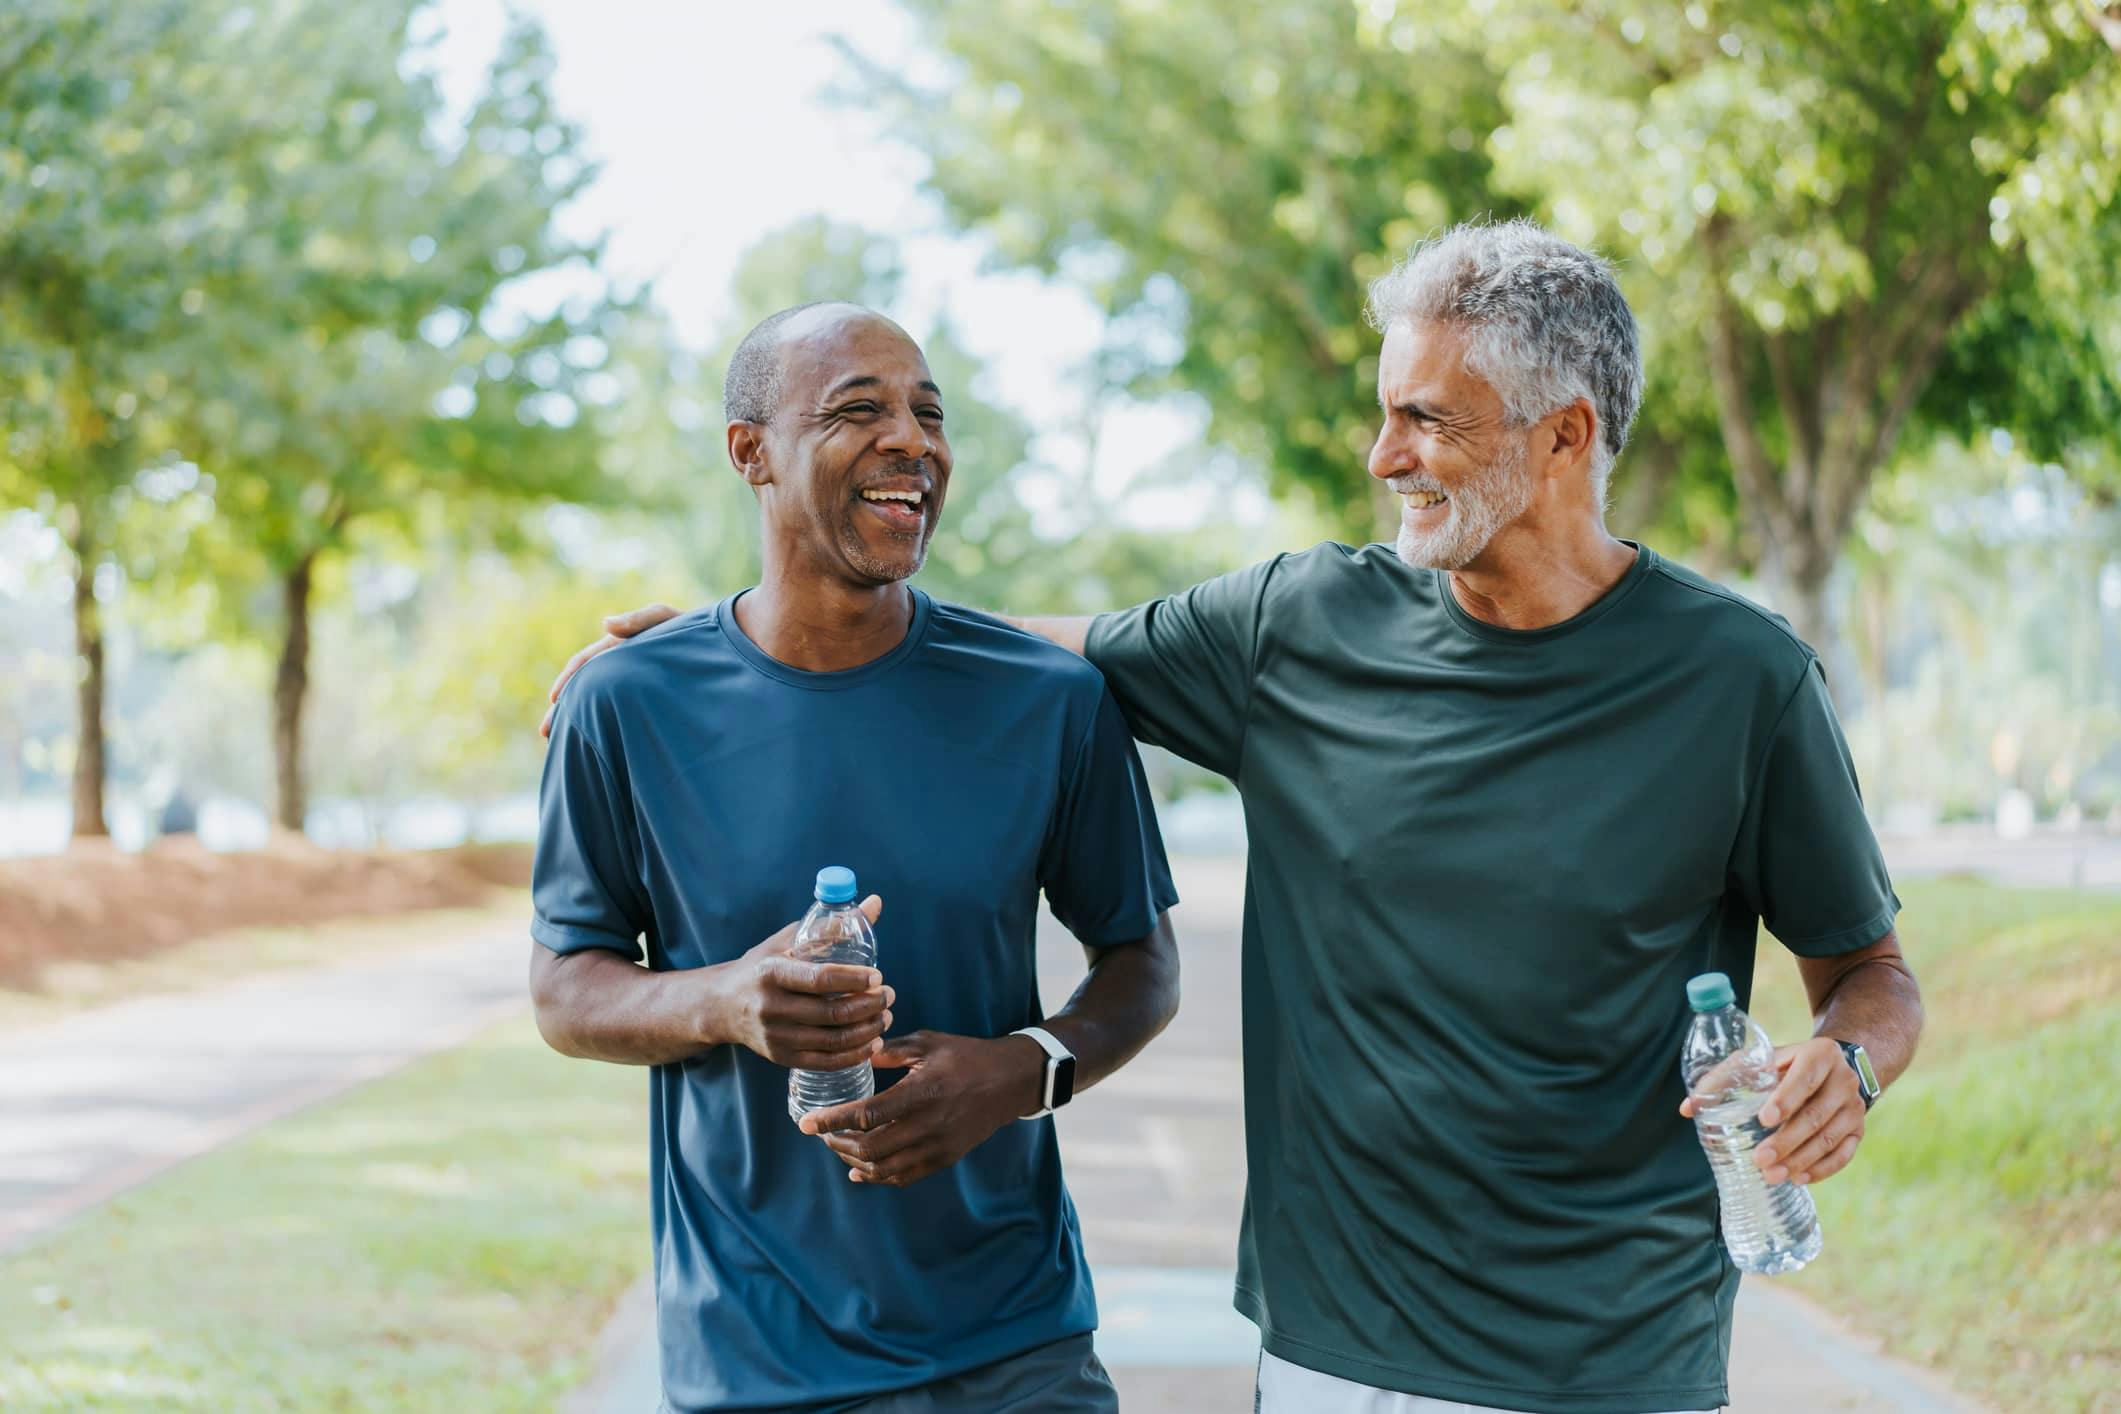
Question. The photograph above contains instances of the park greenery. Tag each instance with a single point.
(341, 439)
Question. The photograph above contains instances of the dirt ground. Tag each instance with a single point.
(98, 903)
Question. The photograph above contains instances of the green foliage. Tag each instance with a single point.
(1221, 181)
(1838, 219)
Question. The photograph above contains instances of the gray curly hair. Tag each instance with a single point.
(1545, 321)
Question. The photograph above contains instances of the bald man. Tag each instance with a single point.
(917, 1251)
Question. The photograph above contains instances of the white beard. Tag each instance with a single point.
(1479, 507)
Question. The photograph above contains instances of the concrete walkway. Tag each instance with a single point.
(96, 1103)
(1155, 1159)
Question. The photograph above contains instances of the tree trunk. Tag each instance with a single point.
(89, 755)
(290, 688)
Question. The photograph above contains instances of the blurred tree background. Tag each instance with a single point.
(322, 443)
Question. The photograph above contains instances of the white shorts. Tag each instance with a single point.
(1291, 1389)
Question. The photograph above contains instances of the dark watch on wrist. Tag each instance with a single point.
(1059, 1087)
(1866, 1079)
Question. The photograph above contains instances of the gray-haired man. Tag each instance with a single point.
(1508, 784)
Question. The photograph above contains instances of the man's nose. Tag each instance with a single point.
(907, 436)
(1388, 460)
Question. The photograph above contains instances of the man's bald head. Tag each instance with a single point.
(752, 385)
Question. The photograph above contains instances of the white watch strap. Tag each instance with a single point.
(1055, 1054)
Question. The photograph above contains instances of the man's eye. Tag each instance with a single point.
(931, 413)
(861, 409)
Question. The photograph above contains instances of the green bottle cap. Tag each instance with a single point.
(1711, 991)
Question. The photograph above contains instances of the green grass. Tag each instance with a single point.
(449, 1238)
(1979, 1229)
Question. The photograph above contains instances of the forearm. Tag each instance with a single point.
(1129, 996)
(1072, 634)
(1877, 1005)
(597, 1005)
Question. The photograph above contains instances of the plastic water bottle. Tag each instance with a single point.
(834, 930)
(1729, 1065)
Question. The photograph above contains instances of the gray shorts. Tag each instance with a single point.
(1065, 1377)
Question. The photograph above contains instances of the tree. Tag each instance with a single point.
(1228, 177)
(1852, 219)
(105, 129)
(380, 375)
(1833, 216)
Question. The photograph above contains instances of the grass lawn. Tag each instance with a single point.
(1979, 1230)
(449, 1238)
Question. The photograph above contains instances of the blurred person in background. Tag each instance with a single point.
(1508, 783)
(916, 1252)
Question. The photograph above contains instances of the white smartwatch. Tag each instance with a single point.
(1060, 1070)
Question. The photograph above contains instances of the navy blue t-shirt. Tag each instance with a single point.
(693, 789)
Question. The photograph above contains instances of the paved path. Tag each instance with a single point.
(1155, 1159)
(2086, 858)
(95, 1103)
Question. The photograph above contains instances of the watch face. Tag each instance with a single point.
(1063, 1081)
(1865, 1076)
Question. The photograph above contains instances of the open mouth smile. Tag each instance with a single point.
(902, 509)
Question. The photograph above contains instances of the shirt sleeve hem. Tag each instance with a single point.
(1130, 927)
(566, 938)
(1841, 940)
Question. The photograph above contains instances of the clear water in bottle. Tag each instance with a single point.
(1729, 1065)
(834, 930)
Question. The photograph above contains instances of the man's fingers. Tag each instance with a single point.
(908, 1166)
(794, 1013)
(832, 1040)
(876, 1111)
(636, 621)
(902, 1051)
(827, 1060)
(1834, 1162)
(545, 726)
(1802, 1075)
(867, 1149)
(872, 908)
(574, 664)
(825, 979)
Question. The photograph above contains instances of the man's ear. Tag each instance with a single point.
(747, 451)
(1572, 434)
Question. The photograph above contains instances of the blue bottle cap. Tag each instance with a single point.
(835, 885)
(1711, 991)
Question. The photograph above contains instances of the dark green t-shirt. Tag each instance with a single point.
(1483, 865)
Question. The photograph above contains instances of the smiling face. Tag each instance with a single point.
(1446, 448)
(853, 465)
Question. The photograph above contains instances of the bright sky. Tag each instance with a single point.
(712, 123)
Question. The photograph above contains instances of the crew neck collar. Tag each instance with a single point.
(772, 667)
(1645, 559)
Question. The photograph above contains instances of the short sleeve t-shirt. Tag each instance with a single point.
(693, 789)
(1483, 864)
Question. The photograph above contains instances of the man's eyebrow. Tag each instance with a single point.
(859, 380)
(931, 387)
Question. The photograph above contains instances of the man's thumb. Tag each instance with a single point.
(873, 908)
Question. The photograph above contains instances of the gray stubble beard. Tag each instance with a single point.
(1480, 508)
